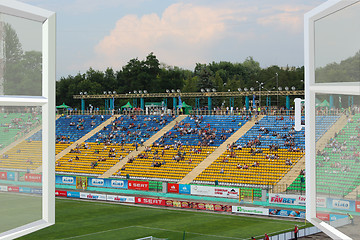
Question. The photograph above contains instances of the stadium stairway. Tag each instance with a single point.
(217, 153)
(336, 127)
(354, 194)
(81, 140)
(149, 142)
(290, 177)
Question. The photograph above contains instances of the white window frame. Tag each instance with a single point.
(47, 102)
(311, 88)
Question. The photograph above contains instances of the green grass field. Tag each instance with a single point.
(77, 219)
(19, 209)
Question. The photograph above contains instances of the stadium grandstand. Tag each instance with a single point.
(249, 152)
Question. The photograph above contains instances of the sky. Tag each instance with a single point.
(101, 34)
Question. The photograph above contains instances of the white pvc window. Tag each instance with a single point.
(27, 118)
(332, 73)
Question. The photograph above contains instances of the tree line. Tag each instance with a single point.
(151, 75)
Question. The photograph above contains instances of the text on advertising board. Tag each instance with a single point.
(30, 177)
(137, 185)
(150, 201)
(173, 188)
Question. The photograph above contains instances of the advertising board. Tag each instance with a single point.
(184, 189)
(287, 213)
(3, 176)
(341, 204)
(150, 201)
(215, 191)
(3, 188)
(109, 183)
(250, 210)
(138, 185)
(24, 189)
(60, 193)
(334, 217)
(68, 180)
(323, 216)
(30, 177)
(116, 198)
(287, 199)
(36, 190)
(73, 194)
(13, 189)
(115, 183)
(94, 196)
(173, 188)
(357, 206)
(11, 176)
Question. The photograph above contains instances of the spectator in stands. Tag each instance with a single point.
(222, 171)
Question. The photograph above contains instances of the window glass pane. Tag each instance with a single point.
(337, 46)
(20, 56)
(20, 166)
(337, 129)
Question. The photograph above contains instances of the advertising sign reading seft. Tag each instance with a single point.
(150, 201)
(137, 185)
(30, 177)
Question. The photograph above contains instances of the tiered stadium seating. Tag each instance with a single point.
(269, 171)
(338, 168)
(323, 123)
(281, 125)
(72, 133)
(27, 155)
(15, 125)
(88, 156)
(59, 147)
(131, 129)
(219, 125)
(170, 169)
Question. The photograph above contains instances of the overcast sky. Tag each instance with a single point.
(98, 34)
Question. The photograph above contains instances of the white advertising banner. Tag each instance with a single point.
(116, 198)
(250, 210)
(215, 191)
(3, 188)
(93, 196)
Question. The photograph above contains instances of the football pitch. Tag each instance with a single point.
(76, 219)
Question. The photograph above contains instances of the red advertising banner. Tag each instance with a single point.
(323, 216)
(30, 177)
(201, 206)
(185, 204)
(60, 193)
(3, 175)
(176, 204)
(150, 201)
(169, 203)
(218, 207)
(357, 206)
(13, 189)
(173, 188)
(137, 185)
(209, 206)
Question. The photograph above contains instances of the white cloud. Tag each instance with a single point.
(181, 36)
(285, 17)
